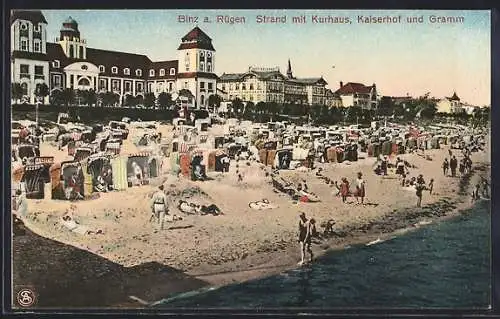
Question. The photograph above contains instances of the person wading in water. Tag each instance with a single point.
(305, 237)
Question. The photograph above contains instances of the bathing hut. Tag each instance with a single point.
(33, 177)
(282, 158)
(67, 180)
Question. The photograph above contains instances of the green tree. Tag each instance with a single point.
(139, 100)
(237, 106)
(149, 100)
(249, 110)
(386, 106)
(129, 100)
(41, 91)
(273, 109)
(353, 114)
(214, 101)
(89, 97)
(260, 107)
(16, 91)
(164, 100)
(316, 113)
(56, 97)
(68, 96)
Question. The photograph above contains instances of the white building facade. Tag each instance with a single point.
(69, 63)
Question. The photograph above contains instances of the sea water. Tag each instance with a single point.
(441, 265)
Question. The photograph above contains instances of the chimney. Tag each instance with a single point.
(341, 84)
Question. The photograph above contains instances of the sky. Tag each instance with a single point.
(400, 58)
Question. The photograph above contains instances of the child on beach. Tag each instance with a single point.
(344, 189)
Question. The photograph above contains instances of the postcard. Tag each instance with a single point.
(250, 159)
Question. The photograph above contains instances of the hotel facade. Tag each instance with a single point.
(270, 85)
(70, 63)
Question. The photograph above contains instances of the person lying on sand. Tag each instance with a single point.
(211, 209)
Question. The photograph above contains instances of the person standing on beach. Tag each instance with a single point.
(445, 166)
(305, 237)
(453, 166)
(419, 189)
(159, 206)
(21, 203)
(383, 166)
(360, 188)
(344, 189)
(431, 186)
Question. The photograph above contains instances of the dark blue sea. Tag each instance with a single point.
(442, 265)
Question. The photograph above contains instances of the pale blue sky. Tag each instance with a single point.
(399, 58)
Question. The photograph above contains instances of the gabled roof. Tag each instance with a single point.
(196, 39)
(352, 87)
(35, 16)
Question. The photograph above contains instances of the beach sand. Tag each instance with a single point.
(244, 243)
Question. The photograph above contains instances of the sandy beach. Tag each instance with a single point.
(245, 243)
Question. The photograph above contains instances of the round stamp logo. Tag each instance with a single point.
(26, 297)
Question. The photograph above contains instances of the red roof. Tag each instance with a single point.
(351, 88)
(196, 39)
(196, 35)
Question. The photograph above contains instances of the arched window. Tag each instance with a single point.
(162, 72)
(202, 66)
(209, 67)
(101, 68)
(114, 70)
(151, 72)
(172, 71)
(126, 71)
(138, 72)
(24, 86)
(202, 100)
(84, 81)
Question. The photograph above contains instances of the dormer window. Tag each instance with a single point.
(138, 72)
(126, 71)
(37, 46)
(101, 68)
(172, 71)
(162, 72)
(37, 28)
(56, 64)
(151, 72)
(114, 70)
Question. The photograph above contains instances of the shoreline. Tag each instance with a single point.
(263, 264)
(243, 244)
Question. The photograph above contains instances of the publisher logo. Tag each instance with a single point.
(26, 297)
